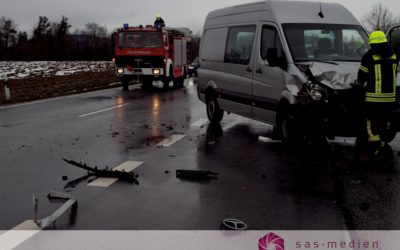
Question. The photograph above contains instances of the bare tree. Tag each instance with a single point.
(96, 33)
(8, 32)
(379, 18)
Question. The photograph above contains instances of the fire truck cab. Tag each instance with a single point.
(147, 54)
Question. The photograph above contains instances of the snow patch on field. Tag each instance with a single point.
(20, 70)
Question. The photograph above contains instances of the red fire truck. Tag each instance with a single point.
(147, 54)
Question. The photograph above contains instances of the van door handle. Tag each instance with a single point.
(259, 71)
(249, 70)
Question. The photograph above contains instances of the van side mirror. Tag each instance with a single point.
(274, 60)
(394, 39)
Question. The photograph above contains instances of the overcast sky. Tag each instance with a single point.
(113, 13)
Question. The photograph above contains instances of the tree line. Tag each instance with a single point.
(53, 41)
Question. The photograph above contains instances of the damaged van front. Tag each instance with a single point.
(326, 58)
(291, 64)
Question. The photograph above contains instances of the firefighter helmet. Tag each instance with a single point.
(158, 17)
(377, 37)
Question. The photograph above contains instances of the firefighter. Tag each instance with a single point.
(377, 77)
(159, 22)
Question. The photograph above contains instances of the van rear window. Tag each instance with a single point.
(240, 44)
(213, 45)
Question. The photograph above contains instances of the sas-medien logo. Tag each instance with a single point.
(271, 241)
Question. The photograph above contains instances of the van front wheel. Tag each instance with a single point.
(288, 126)
(214, 112)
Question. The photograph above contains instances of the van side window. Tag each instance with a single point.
(213, 48)
(271, 47)
(239, 44)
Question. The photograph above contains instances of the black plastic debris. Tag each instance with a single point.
(72, 184)
(122, 175)
(233, 224)
(50, 220)
(196, 175)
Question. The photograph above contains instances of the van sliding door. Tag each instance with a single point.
(235, 90)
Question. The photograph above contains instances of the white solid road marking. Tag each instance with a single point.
(18, 234)
(170, 140)
(127, 166)
(53, 99)
(199, 123)
(103, 110)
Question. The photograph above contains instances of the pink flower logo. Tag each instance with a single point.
(271, 241)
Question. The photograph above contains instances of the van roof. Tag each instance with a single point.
(282, 12)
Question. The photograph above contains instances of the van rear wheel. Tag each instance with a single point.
(214, 112)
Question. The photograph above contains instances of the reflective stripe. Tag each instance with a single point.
(394, 76)
(386, 99)
(379, 57)
(378, 79)
(362, 68)
(371, 136)
(381, 95)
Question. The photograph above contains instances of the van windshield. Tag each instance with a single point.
(140, 39)
(326, 42)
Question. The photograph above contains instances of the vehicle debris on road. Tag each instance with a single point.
(72, 184)
(126, 176)
(196, 174)
(51, 219)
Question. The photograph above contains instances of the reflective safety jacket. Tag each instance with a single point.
(379, 74)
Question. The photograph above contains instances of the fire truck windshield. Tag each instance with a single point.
(140, 39)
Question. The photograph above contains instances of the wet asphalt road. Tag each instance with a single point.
(263, 182)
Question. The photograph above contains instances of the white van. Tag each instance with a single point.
(290, 64)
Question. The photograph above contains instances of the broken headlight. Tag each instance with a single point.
(316, 91)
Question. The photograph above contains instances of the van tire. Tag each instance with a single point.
(288, 129)
(214, 112)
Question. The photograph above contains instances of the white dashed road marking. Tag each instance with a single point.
(170, 140)
(18, 234)
(127, 166)
(103, 110)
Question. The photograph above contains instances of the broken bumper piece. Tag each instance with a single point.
(126, 176)
(50, 220)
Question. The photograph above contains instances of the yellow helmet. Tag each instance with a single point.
(158, 16)
(377, 37)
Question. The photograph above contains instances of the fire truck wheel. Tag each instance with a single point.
(169, 78)
(125, 84)
(178, 82)
(147, 84)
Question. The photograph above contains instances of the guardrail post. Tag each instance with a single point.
(7, 89)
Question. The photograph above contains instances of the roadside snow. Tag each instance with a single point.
(20, 70)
